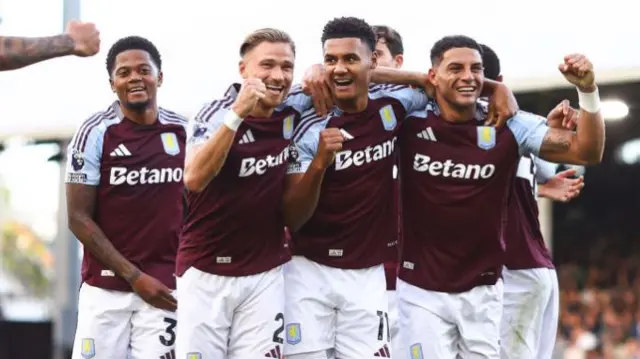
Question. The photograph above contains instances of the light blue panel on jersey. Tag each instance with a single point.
(296, 99)
(207, 122)
(529, 131)
(544, 170)
(307, 140)
(84, 152)
(411, 99)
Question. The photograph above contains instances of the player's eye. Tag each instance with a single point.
(352, 59)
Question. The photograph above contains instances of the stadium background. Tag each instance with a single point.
(595, 239)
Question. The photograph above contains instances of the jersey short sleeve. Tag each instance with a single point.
(84, 153)
(412, 99)
(298, 100)
(529, 131)
(544, 170)
(305, 141)
(206, 123)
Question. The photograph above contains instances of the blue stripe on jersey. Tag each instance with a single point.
(172, 116)
(208, 111)
(309, 119)
(80, 141)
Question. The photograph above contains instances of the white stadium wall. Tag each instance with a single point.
(199, 43)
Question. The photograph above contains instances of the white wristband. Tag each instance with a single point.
(589, 101)
(232, 121)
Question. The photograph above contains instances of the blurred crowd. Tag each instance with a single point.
(599, 307)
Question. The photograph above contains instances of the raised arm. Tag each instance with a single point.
(585, 145)
(503, 104)
(83, 177)
(211, 133)
(316, 152)
(81, 39)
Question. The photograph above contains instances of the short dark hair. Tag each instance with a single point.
(391, 37)
(343, 27)
(265, 35)
(132, 43)
(491, 63)
(452, 42)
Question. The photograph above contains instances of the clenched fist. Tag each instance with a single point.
(251, 92)
(330, 142)
(578, 70)
(86, 38)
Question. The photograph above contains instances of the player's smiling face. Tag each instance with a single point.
(135, 79)
(459, 76)
(271, 62)
(348, 63)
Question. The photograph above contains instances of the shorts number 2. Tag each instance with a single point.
(277, 334)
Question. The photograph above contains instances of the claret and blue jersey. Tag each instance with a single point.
(456, 180)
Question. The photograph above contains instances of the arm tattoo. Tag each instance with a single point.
(556, 141)
(18, 52)
(80, 207)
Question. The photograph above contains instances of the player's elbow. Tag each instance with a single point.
(592, 156)
(194, 181)
(75, 221)
(593, 159)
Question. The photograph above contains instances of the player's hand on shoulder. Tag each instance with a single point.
(154, 292)
(502, 106)
(578, 70)
(86, 38)
(251, 92)
(315, 84)
(563, 116)
(330, 142)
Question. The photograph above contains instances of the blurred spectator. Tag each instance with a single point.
(599, 309)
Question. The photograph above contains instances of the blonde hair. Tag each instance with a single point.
(265, 35)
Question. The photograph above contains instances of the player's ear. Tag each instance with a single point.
(160, 78)
(499, 78)
(399, 60)
(243, 69)
(374, 60)
(432, 75)
(113, 86)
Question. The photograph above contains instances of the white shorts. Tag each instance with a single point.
(230, 317)
(114, 324)
(394, 325)
(530, 314)
(450, 325)
(340, 309)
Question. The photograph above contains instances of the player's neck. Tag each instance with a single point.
(451, 113)
(356, 105)
(147, 116)
(261, 111)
